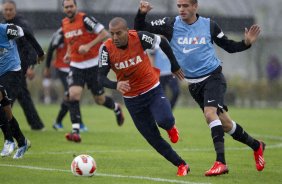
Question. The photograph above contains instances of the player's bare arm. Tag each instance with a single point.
(92, 25)
(251, 34)
(67, 57)
(85, 48)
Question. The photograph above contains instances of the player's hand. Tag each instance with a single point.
(67, 58)
(40, 59)
(47, 73)
(30, 74)
(83, 49)
(145, 6)
(179, 74)
(123, 86)
(252, 34)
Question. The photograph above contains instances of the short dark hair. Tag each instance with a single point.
(74, 1)
(10, 1)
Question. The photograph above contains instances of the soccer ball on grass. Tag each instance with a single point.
(83, 165)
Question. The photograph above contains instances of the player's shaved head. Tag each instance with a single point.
(118, 21)
(119, 31)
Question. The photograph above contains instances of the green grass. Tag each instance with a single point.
(121, 152)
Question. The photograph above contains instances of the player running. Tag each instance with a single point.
(57, 44)
(191, 38)
(83, 35)
(10, 76)
(139, 83)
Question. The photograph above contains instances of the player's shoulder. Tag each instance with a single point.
(88, 17)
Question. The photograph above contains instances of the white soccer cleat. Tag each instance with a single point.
(21, 150)
(8, 148)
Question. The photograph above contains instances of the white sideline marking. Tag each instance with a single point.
(103, 175)
(277, 138)
(273, 146)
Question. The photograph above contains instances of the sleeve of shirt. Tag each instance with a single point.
(152, 41)
(14, 31)
(92, 25)
(164, 45)
(31, 39)
(149, 40)
(104, 68)
(57, 39)
(163, 26)
(224, 42)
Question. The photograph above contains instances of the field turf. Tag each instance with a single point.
(124, 157)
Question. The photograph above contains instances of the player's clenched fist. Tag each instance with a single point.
(145, 6)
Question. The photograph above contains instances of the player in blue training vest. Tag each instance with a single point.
(192, 39)
(10, 75)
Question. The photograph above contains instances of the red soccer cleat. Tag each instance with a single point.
(173, 134)
(218, 168)
(259, 156)
(75, 137)
(183, 170)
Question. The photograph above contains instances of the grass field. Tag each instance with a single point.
(123, 156)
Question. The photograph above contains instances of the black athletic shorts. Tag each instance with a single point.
(11, 81)
(88, 76)
(210, 92)
(5, 99)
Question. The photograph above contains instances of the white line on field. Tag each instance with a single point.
(277, 138)
(273, 146)
(103, 175)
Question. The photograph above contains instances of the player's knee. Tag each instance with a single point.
(100, 100)
(166, 121)
(75, 93)
(227, 125)
(4, 100)
(210, 113)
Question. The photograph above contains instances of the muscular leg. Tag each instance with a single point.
(145, 123)
(5, 126)
(65, 103)
(109, 103)
(74, 107)
(217, 132)
(237, 132)
(63, 110)
(10, 126)
(106, 101)
(3, 118)
(161, 111)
